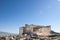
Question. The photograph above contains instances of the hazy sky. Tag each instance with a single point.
(16, 13)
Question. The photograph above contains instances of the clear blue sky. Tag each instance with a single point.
(16, 13)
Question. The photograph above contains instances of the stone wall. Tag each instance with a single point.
(42, 30)
(39, 30)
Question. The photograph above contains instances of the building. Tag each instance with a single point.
(37, 29)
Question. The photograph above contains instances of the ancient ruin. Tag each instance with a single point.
(33, 32)
(37, 32)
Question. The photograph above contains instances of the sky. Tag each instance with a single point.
(17, 13)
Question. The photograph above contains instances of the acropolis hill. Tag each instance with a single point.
(33, 32)
(39, 31)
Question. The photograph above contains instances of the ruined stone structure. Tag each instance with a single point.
(37, 29)
(40, 32)
(33, 32)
